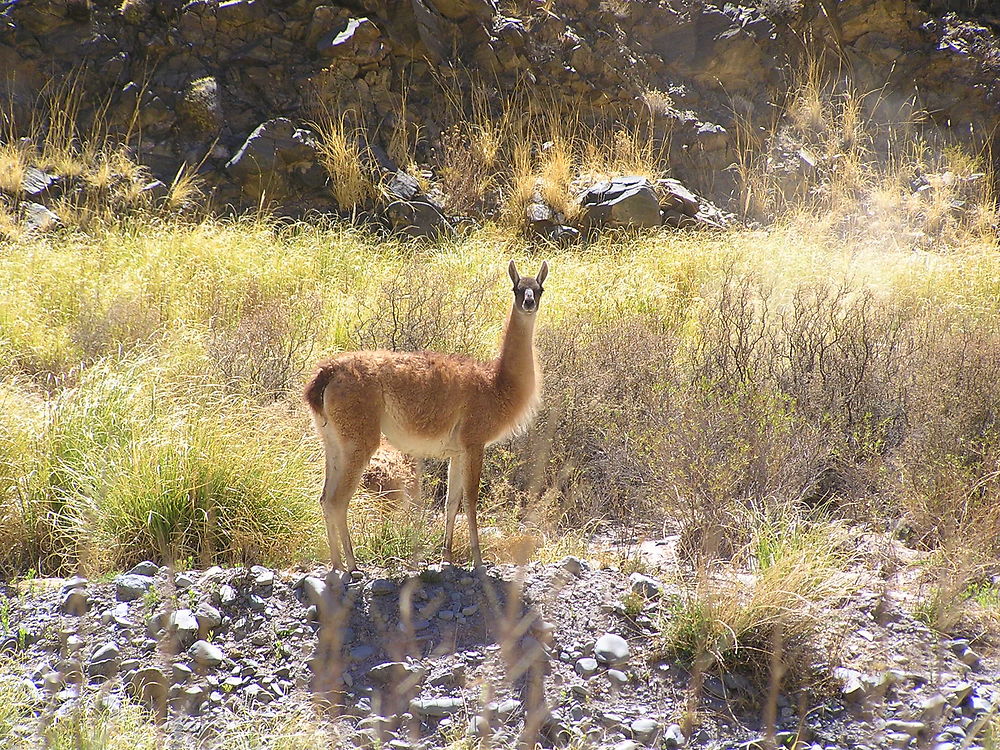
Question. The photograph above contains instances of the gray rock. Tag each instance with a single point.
(183, 581)
(645, 730)
(132, 586)
(586, 667)
(673, 736)
(912, 728)
(208, 617)
(227, 594)
(105, 662)
(182, 628)
(611, 649)
(396, 673)
(507, 709)
(617, 677)
(38, 218)
(645, 586)
(146, 568)
(626, 745)
(266, 163)
(436, 707)
(150, 686)
(622, 202)
(417, 218)
(970, 658)
(206, 654)
(852, 685)
(75, 602)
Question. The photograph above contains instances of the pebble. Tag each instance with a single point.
(586, 667)
(645, 586)
(645, 730)
(673, 736)
(183, 581)
(131, 586)
(146, 568)
(105, 662)
(617, 677)
(611, 649)
(912, 728)
(207, 654)
(227, 594)
(75, 602)
(183, 626)
(208, 617)
(381, 587)
(436, 707)
(626, 745)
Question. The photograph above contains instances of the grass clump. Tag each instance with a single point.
(127, 467)
(727, 619)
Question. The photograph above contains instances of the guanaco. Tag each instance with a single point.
(426, 404)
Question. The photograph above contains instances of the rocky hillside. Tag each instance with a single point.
(188, 82)
(570, 652)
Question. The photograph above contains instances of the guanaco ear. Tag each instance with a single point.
(543, 272)
(514, 275)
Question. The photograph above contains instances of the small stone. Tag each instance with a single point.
(227, 594)
(183, 581)
(395, 672)
(611, 649)
(75, 602)
(912, 728)
(147, 568)
(105, 662)
(626, 745)
(206, 654)
(182, 626)
(586, 667)
(181, 672)
(208, 617)
(970, 658)
(645, 586)
(130, 587)
(508, 708)
(381, 587)
(852, 686)
(673, 736)
(645, 730)
(617, 677)
(436, 707)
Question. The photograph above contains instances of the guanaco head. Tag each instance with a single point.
(527, 290)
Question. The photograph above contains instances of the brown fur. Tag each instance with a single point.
(426, 404)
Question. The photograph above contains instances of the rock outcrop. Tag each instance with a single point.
(230, 88)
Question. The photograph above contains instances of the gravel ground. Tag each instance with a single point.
(420, 659)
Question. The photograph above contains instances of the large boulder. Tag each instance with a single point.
(621, 202)
(275, 157)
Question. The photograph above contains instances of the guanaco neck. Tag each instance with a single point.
(516, 363)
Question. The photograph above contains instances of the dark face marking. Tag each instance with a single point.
(527, 293)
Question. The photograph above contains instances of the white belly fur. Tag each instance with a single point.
(423, 446)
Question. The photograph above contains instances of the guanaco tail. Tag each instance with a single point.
(426, 404)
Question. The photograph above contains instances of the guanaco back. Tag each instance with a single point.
(427, 404)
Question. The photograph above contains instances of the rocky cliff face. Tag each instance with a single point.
(192, 81)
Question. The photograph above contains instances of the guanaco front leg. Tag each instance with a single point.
(452, 501)
(471, 472)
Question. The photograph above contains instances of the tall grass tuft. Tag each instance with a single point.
(129, 466)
